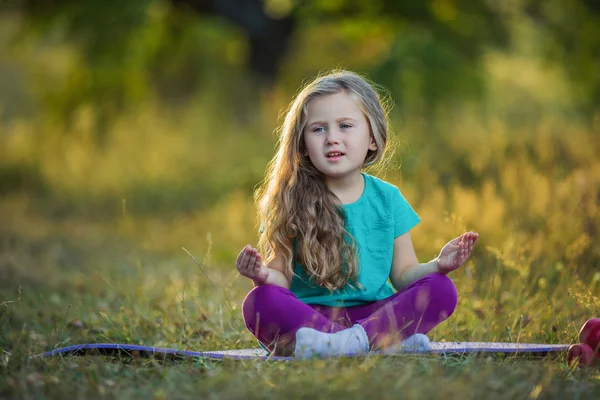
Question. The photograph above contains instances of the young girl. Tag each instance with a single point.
(336, 241)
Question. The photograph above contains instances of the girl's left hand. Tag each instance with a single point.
(456, 252)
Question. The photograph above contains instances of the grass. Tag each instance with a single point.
(94, 242)
(70, 280)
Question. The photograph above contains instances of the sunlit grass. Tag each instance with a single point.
(127, 277)
(95, 249)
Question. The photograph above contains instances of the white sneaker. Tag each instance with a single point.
(417, 343)
(347, 342)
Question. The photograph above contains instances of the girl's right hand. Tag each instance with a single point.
(249, 264)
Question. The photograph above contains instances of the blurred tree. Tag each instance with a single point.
(569, 33)
(268, 36)
(129, 48)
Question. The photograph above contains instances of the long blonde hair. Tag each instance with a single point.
(299, 215)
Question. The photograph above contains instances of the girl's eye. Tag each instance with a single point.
(344, 126)
(319, 129)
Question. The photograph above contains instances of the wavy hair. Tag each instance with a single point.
(300, 217)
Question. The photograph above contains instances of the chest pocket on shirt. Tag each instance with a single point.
(380, 239)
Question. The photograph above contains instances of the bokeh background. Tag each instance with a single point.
(135, 132)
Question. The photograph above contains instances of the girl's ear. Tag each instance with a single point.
(373, 144)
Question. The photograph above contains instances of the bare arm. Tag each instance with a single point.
(276, 275)
(405, 266)
(406, 269)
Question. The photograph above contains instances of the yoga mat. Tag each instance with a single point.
(437, 348)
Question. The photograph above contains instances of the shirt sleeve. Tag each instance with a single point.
(405, 218)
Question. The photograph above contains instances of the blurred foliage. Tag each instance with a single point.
(427, 53)
(491, 124)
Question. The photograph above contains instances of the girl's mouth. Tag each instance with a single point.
(334, 155)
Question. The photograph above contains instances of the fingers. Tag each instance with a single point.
(463, 247)
(249, 262)
(257, 263)
(243, 258)
(466, 244)
(468, 239)
(472, 239)
(463, 250)
(252, 260)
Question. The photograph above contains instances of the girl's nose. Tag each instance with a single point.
(333, 137)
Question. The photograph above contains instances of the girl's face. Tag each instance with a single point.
(337, 135)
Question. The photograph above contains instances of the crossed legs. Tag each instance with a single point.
(274, 315)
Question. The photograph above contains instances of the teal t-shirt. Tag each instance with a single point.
(379, 216)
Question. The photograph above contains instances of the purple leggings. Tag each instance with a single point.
(273, 314)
